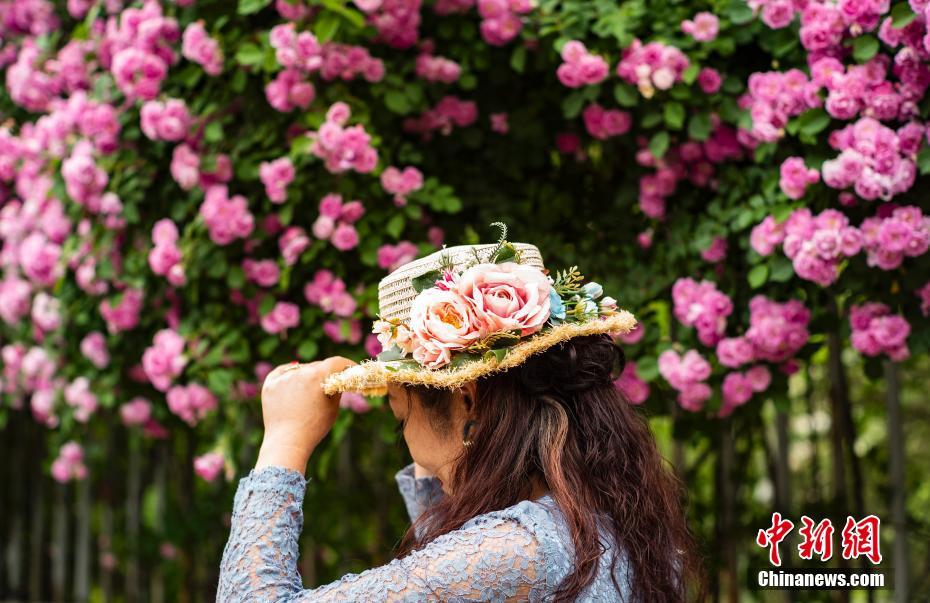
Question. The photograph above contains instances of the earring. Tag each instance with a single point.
(465, 431)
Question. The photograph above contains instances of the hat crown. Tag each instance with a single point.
(396, 292)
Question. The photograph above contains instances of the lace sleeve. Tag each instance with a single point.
(419, 493)
(490, 558)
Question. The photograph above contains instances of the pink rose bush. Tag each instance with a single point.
(887, 240)
(716, 252)
(276, 175)
(603, 124)
(122, 315)
(875, 330)
(292, 243)
(449, 113)
(635, 389)
(354, 402)
(227, 218)
(871, 160)
(703, 27)
(264, 273)
(652, 66)
(580, 67)
(777, 331)
(329, 293)
(924, 294)
(165, 359)
(401, 183)
(710, 80)
(687, 374)
(70, 463)
(815, 244)
(79, 396)
(209, 466)
(343, 148)
(391, 257)
(197, 46)
(165, 256)
(336, 219)
(136, 412)
(501, 21)
(772, 99)
(165, 121)
(191, 402)
(343, 330)
(739, 387)
(283, 316)
(796, 177)
(94, 348)
(436, 68)
(702, 306)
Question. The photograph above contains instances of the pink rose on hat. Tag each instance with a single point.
(442, 322)
(507, 296)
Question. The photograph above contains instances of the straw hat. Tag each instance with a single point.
(466, 311)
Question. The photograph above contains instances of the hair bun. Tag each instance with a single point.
(573, 365)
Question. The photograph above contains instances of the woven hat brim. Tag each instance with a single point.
(371, 377)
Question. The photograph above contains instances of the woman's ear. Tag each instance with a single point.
(469, 393)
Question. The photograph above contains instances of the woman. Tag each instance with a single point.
(533, 479)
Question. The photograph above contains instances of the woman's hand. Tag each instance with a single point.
(296, 412)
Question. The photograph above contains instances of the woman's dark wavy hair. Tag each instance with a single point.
(558, 419)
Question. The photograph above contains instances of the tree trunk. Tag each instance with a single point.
(896, 476)
(815, 495)
(18, 506)
(157, 583)
(782, 469)
(729, 549)
(82, 542)
(61, 538)
(37, 516)
(838, 394)
(133, 496)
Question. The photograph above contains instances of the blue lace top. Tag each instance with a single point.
(518, 553)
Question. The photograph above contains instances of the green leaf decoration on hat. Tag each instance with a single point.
(425, 281)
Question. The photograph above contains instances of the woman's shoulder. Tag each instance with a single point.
(540, 517)
(544, 522)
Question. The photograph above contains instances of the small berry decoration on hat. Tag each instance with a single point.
(485, 308)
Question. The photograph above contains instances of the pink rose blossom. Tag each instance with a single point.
(209, 466)
(795, 177)
(443, 322)
(94, 348)
(276, 175)
(283, 316)
(635, 389)
(165, 359)
(709, 80)
(227, 218)
(703, 27)
(355, 402)
(507, 296)
(191, 402)
(580, 67)
(135, 412)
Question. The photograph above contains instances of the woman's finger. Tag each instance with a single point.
(281, 369)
